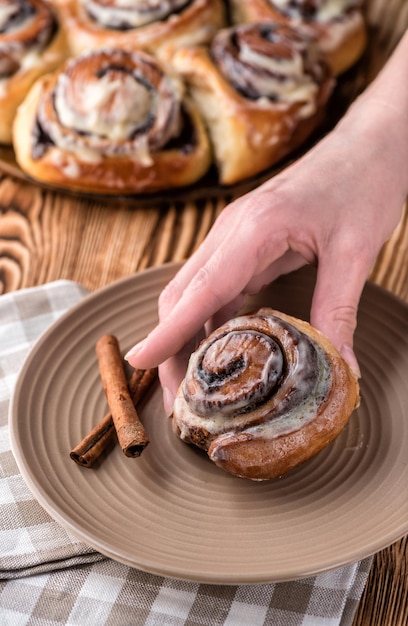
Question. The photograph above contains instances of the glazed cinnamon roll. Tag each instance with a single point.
(154, 26)
(338, 26)
(32, 43)
(111, 121)
(262, 89)
(264, 393)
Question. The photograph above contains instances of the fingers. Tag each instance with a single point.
(210, 286)
(175, 288)
(173, 291)
(214, 277)
(336, 298)
(225, 313)
(288, 262)
(168, 299)
(171, 373)
(214, 285)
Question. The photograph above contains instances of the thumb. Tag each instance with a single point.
(335, 304)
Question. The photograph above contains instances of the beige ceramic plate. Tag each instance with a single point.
(171, 512)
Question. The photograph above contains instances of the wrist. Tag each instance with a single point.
(378, 128)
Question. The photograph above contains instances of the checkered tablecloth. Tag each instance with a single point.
(48, 577)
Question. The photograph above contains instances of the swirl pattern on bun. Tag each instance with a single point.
(157, 26)
(262, 89)
(32, 43)
(264, 393)
(337, 26)
(111, 121)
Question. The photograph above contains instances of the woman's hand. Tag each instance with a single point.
(335, 207)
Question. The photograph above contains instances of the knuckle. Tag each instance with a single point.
(345, 315)
(342, 316)
(169, 297)
(356, 249)
(205, 284)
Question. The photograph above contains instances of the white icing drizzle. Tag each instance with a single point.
(66, 164)
(131, 13)
(302, 413)
(111, 107)
(6, 12)
(294, 403)
(33, 58)
(340, 29)
(227, 360)
(296, 86)
(25, 37)
(326, 10)
(271, 63)
(104, 107)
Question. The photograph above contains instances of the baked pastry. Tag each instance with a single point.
(338, 26)
(32, 42)
(112, 122)
(133, 24)
(264, 393)
(262, 89)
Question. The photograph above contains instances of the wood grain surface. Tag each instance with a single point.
(46, 235)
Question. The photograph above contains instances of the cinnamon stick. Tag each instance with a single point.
(89, 450)
(140, 382)
(130, 431)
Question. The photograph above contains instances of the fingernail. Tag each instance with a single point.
(349, 356)
(133, 351)
(168, 400)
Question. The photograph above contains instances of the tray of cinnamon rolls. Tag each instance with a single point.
(115, 97)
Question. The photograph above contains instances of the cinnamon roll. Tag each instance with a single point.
(32, 42)
(154, 26)
(338, 26)
(111, 122)
(262, 89)
(264, 393)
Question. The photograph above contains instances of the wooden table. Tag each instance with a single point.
(46, 236)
